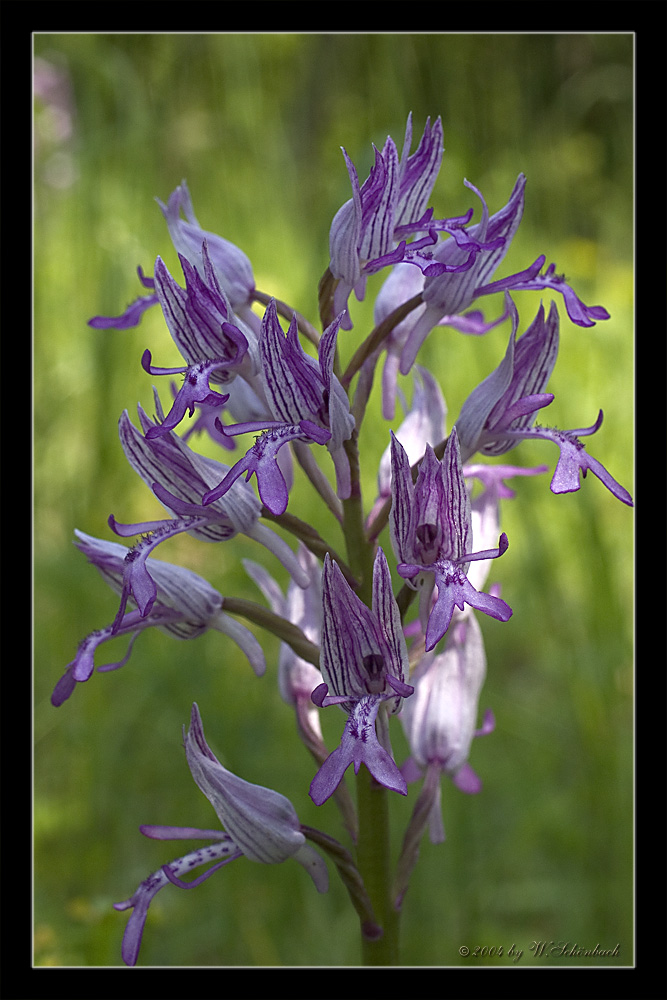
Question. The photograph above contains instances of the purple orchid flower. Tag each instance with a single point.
(364, 663)
(431, 533)
(448, 294)
(185, 605)
(178, 477)
(440, 718)
(362, 236)
(216, 345)
(369, 231)
(514, 392)
(500, 412)
(232, 268)
(307, 403)
(260, 823)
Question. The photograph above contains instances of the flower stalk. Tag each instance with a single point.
(373, 841)
(347, 640)
(374, 863)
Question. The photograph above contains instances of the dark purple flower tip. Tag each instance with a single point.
(316, 433)
(151, 369)
(144, 279)
(400, 687)
(63, 689)
(371, 931)
(319, 694)
(131, 317)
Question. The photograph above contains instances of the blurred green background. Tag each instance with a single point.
(255, 124)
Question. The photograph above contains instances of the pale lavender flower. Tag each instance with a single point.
(185, 606)
(574, 459)
(441, 717)
(447, 295)
(307, 403)
(431, 533)
(514, 392)
(501, 411)
(216, 345)
(260, 824)
(404, 282)
(362, 236)
(232, 266)
(364, 664)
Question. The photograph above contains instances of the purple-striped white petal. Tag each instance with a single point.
(262, 822)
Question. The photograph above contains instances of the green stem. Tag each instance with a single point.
(310, 538)
(360, 552)
(286, 311)
(285, 630)
(377, 337)
(351, 879)
(373, 854)
(374, 864)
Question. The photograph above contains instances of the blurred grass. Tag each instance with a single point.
(254, 123)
